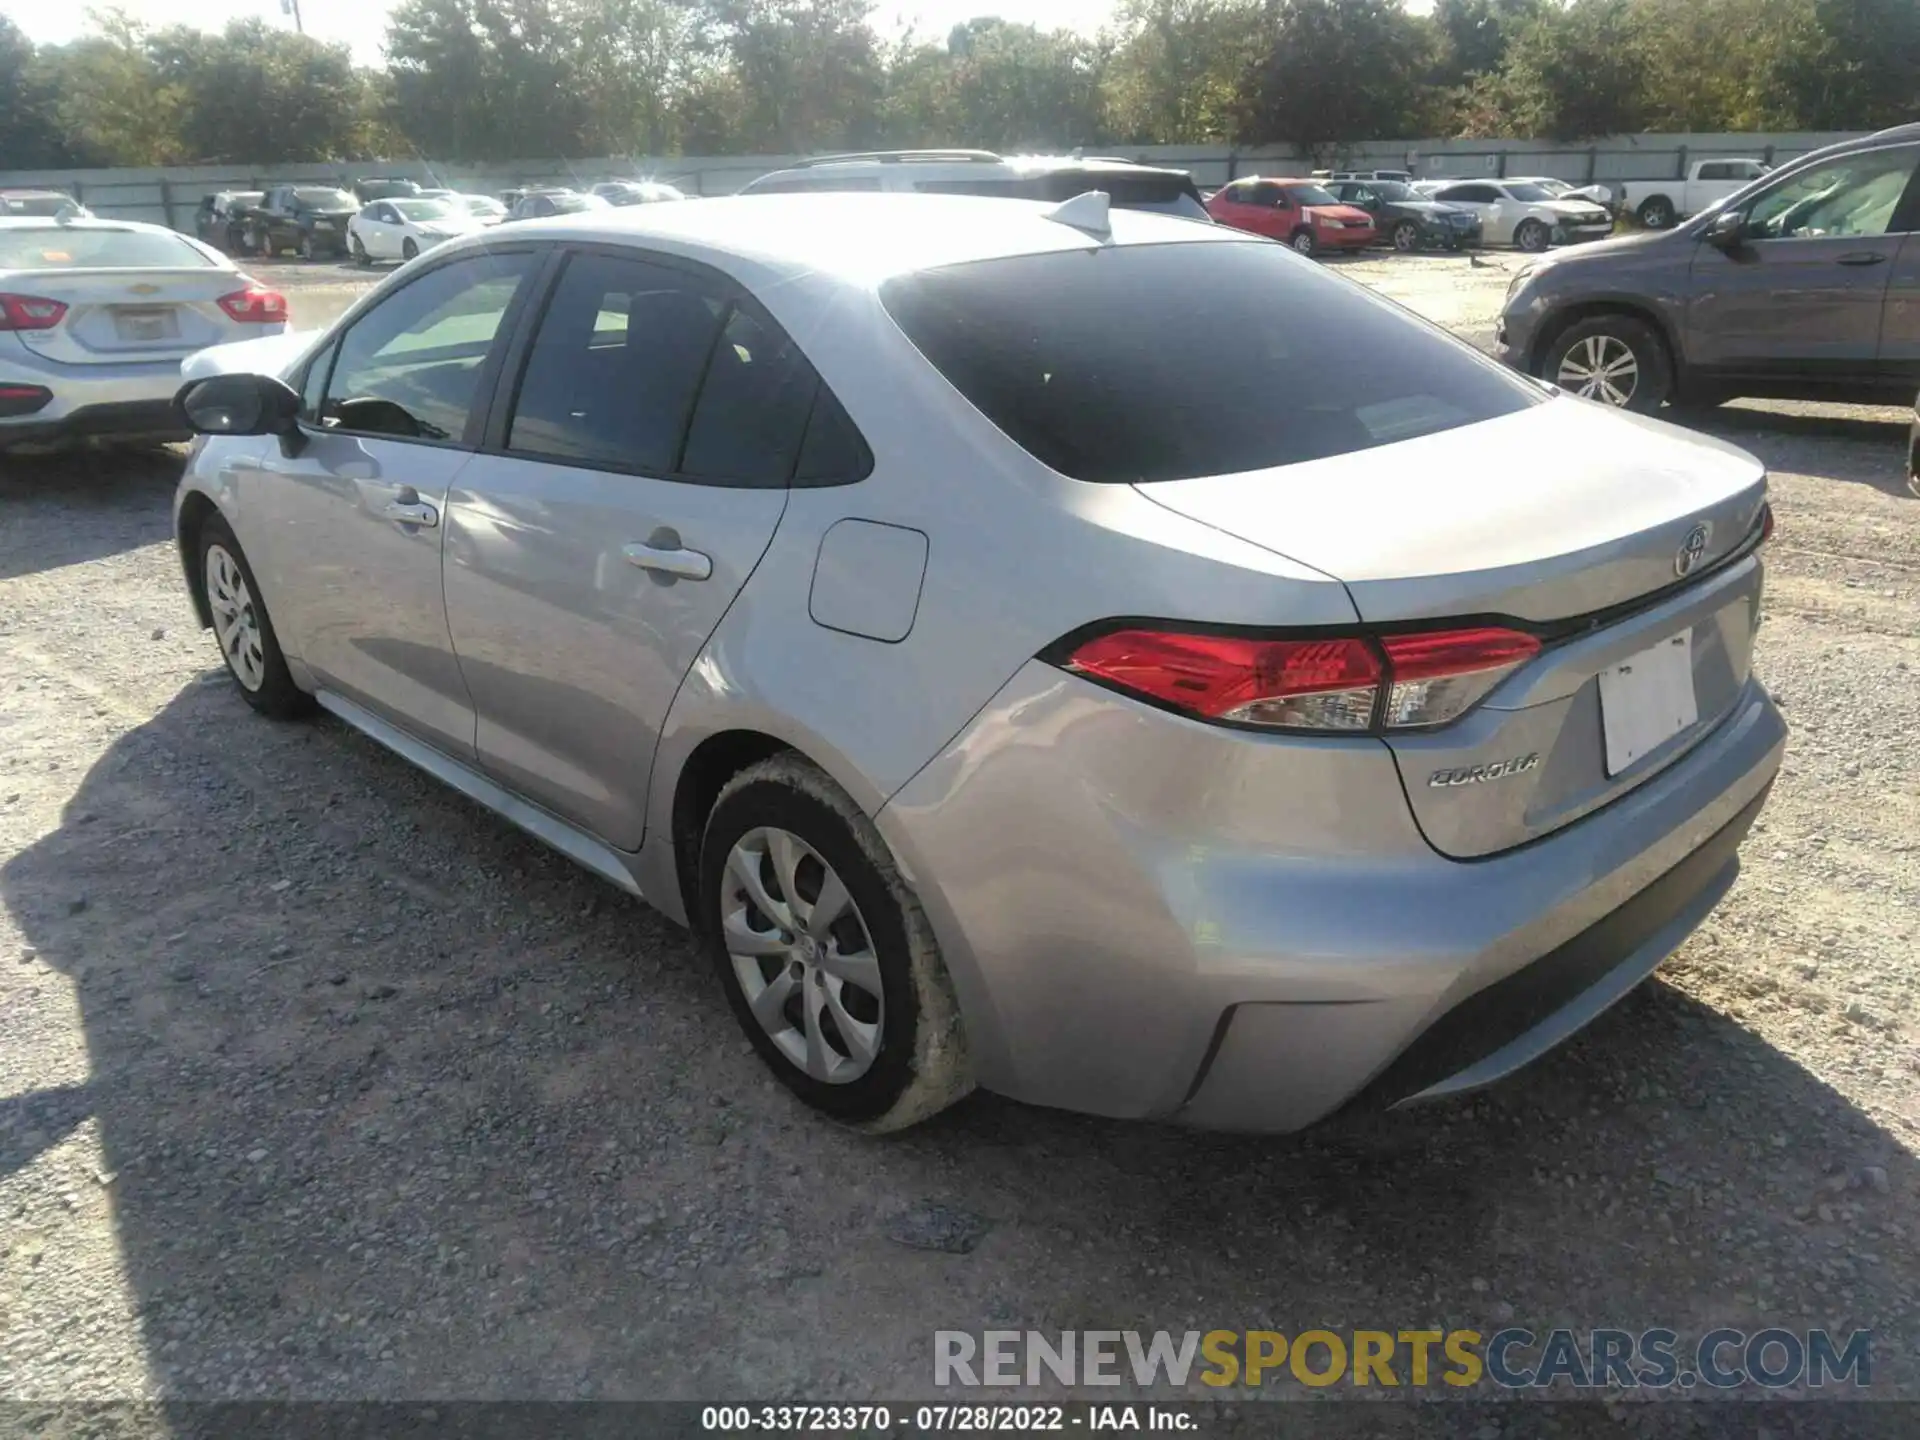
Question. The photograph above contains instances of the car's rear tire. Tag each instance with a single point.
(1612, 359)
(242, 627)
(853, 1012)
(408, 250)
(1532, 236)
(1303, 242)
(1656, 212)
(1406, 236)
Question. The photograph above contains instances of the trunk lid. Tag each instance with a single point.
(1605, 534)
(114, 317)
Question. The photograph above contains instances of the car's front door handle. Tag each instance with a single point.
(1862, 257)
(670, 560)
(418, 512)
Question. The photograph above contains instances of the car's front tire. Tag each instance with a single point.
(827, 959)
(360, 255)
(1406, 236)
(242, 627)
(1614, 359)
(408, 250)
(1303, 242)
(1532, 236)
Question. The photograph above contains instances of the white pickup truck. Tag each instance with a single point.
(1659, 203)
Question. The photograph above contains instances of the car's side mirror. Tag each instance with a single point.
(1726, 230)
(239, 405)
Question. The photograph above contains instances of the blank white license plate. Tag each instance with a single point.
(146, 324)
(1647, 699)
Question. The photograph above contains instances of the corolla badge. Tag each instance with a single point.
(1692, 548)
(1478, 774)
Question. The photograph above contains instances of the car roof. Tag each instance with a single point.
(860, 238)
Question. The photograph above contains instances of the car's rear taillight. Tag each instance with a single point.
(30, 312)
(1347, 683)
(16, 400)
(1316, 684)
(1440, 675)
(255, 305)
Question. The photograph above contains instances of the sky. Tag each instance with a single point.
(362, 23)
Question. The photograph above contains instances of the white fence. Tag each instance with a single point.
(170, 195)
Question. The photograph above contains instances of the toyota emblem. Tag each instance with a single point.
(1692, 549)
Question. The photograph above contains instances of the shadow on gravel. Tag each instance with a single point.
(402, 1106)
(84, 505)
(1870, 451)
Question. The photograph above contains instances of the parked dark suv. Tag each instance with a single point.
(309, 218)
(1803, 285)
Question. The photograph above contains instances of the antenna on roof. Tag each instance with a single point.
(1086, 211)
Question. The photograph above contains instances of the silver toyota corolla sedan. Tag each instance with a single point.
(95, 318)
(1098, 657)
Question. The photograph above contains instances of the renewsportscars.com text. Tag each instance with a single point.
(1513, 1358)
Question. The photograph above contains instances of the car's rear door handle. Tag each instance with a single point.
(669, 559)
(1862, 257)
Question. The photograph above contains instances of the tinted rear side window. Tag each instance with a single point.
(1164, 362)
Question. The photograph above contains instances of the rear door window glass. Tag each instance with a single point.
(616, 364)
(752, 412)
(1165, 362)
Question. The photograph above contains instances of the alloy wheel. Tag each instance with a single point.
(235, 620)
(1600, 367)
(1303, 242)
(1406, 236)
(803, 955)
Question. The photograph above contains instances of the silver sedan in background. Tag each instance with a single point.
(95, 318)
(1103, 658)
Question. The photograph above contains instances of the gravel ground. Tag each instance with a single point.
(316, 1080)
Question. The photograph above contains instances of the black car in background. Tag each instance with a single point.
(1406, 219)
(385, 187)
(221, 219)
(539, 204)
(311, 219)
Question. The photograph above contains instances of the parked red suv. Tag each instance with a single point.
(1299, 212)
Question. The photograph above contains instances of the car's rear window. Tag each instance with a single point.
(1137, 363)
(322, 198)
(1168, 194)
(35, 204)
(69, 247)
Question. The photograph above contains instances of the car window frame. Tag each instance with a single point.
(538, 300)
(484, 387)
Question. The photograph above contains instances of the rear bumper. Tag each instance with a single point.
(1576, 234)
(1148, 917)
(89, 402)
(149, 420)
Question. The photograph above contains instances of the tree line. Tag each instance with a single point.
(504, 79)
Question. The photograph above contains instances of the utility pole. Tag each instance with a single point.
(292, 7)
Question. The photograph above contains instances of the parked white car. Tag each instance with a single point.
(402, 228)
(95, 318)
(1524, 216)
(1660, 203)
(484, 208)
